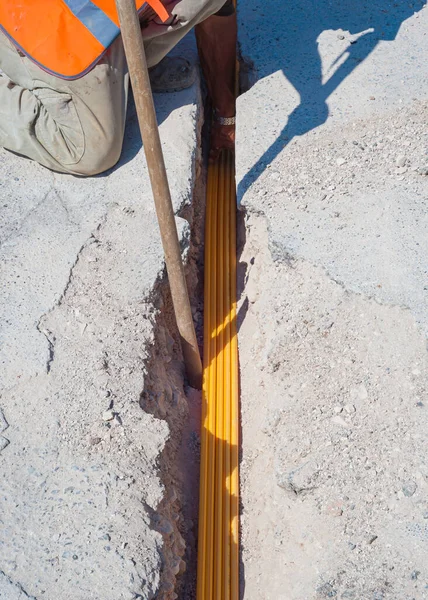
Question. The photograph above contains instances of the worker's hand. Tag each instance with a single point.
(222, 137)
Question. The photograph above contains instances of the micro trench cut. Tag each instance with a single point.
(218, 541)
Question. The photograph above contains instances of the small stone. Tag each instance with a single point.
(400, 170)
(409, 488)
(3, 443)
(423, 171)
(415, 575)
(335, 509)
(352, 546)
(340, 161)
(425, 515)
(340, 36)
(339, 421)
(371, 539)
(95, 440)
(101, 378)
(350, 408)
(108, 415)
(400, 161)
(338, 409)
(362, 392)
(359, 392)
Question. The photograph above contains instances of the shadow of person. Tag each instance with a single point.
(165, 104)
(285, 38)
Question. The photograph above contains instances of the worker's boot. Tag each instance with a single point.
(172, 74)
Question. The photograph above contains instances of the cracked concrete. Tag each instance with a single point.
(11, 590)
(85, 509)
(331, 174)
(40, 327)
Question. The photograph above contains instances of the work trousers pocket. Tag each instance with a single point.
(58, 127)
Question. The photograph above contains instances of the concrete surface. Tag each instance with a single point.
(319, 95)
(331, 171)
(80, 305)
(332, 174)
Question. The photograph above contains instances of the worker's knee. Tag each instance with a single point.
(98, 158)
(73, 138)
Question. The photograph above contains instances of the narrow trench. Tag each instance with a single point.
(167, 396)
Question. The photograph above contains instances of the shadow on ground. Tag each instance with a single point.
(284, 36)
(165, 104)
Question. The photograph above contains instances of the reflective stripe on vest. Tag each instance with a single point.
(65, 37)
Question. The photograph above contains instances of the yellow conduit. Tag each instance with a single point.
(218, 546)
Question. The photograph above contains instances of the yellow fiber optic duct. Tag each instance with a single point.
(218, 546)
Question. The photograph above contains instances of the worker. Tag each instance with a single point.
(64, 79)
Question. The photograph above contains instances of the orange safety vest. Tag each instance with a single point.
(65, 37)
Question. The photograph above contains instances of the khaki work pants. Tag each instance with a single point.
(77, 126)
